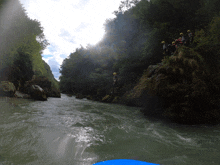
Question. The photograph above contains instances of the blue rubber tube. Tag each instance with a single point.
(123, 162)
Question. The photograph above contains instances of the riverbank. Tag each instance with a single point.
(178, 88)
(30, 90)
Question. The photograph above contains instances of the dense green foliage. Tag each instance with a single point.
(132, 43)
(21, 45)
(183, 81)
(188, 81)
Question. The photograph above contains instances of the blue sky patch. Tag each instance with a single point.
(52, 48)
(63, 56)
(47, 56)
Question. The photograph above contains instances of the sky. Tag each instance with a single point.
(68, 24)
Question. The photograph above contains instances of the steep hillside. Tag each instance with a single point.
(21, 45)
(132, 45)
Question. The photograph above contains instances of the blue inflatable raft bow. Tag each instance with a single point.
(123, 162)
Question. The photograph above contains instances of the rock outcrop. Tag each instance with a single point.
(140, 96)
(45, 84)
(19, 94)
(34, 92)
(190, 92)
(38, 93)
(7, 89)
(108, 98)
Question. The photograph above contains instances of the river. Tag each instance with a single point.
(68, 131)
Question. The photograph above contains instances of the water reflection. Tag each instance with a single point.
(74, 145)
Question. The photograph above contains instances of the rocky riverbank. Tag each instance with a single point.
(189, 90)
(37, 89)
(178, 88)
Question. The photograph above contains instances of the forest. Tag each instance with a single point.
(21, 45)
(188, 81)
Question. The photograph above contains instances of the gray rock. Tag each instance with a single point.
(38, 93)
(19, 94)
(7, 88)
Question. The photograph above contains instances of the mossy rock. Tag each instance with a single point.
(45, 84)
(108, 98)
(116, 99)
(19, 94)
(7, 89)
(184, 83)
(53, 92)
(38, 93)
(151, 70)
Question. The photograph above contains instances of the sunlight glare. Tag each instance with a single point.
(93, 35)
(96, 36)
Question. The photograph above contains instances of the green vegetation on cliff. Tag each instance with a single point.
(183, 81)
(189, 81)
(131, 45)
(21, 45)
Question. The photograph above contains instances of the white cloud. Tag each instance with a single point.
(70, 23)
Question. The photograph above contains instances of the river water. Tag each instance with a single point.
(68, 131)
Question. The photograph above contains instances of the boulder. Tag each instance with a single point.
(53, 92)
(38, 93)
(108, 98)
(139, 96)
(19, 94)
(116, 99)
(7, 89)
(151, 70)
(45, 84)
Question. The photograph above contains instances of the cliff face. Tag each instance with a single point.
(189, 92)
(139, 96)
